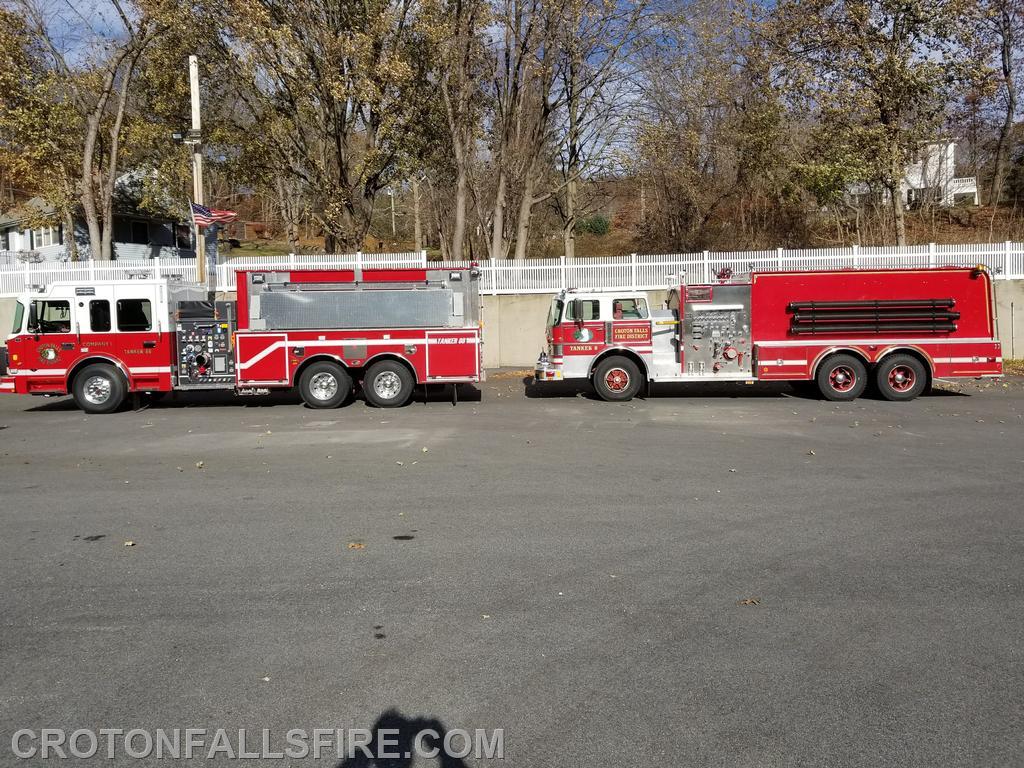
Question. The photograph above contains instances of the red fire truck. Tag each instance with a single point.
(840, 329)
(320, 331)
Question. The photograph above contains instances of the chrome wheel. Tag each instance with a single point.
(387, 385)
(842, 378)
(323, 386)
(902, 378)
(96, 390)
(616, 380)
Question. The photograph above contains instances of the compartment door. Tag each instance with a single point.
(262, 358)
(452, 355)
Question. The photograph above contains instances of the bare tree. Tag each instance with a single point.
(461, 68)
(102, 107)
(1001, 24)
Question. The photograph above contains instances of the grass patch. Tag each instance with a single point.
(1013, 367)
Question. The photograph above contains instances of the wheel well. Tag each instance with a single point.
(77, 367)
(316, 359)
(842, 351)
(397, 359)
(914, 353)
(628, 353)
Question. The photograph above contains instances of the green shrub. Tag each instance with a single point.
(595, 225)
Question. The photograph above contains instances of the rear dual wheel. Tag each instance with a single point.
(901, 377)
(388, 384)
(325, 385)
(842, 378)
(898, 377)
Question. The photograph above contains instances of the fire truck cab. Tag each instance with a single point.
(841, 330)
(323, 332)
(97, 341)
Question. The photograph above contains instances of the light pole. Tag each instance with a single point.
(195, 139)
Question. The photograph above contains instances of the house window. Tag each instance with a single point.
(134, 315)
(183, 236)
(45, 237)
(140, 233)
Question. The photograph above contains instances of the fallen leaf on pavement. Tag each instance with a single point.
(749, 601)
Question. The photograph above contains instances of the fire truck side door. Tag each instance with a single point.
(49, 341)
(583, 326)
(630, 323)
(140, 338)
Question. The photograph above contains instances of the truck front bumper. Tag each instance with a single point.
(545, 370)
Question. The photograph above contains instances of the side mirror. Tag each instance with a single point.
(576, 311)
(33, 319)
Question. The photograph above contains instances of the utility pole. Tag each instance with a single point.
(195, 139)
(391, 193)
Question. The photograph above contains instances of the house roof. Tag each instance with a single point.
(20, 213)
(127, 191)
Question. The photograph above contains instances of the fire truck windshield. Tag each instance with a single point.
(555, 315)
(19, 317)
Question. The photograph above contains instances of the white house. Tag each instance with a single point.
(136, 235)
(931, 177)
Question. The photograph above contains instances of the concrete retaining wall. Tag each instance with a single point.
(514, 325)
(1010, 313)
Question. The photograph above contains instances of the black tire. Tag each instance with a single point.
(99, 388)
(388, 384)
(901, 377)
(842, 378)
(617, 379)
(324, 385)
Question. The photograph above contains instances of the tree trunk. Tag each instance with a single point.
(1002, 145)
(896, 169)
(459, 230)
(87, 188)
(417, 224)
(70, 243)
(497, 249)
(569, 226)
(113, 157)
(523, 221)
(89, 180)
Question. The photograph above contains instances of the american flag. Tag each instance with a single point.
(204, 217)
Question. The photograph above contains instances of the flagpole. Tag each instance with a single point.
(195, 228)
(197, 166)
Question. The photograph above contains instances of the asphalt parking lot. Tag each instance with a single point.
(730, 576)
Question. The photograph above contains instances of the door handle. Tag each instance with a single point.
(149, 344)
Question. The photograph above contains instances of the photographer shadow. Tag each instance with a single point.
(402, 742)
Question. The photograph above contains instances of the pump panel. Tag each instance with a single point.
(716, 331)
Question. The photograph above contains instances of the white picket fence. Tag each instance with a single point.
(635, 271)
